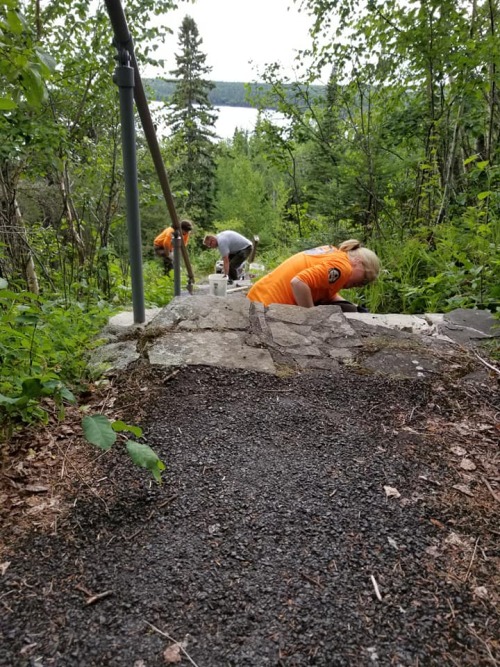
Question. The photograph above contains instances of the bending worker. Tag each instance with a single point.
(315, 277)
(234, 249)
(163, 244)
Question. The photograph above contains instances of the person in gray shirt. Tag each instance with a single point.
(234, 249)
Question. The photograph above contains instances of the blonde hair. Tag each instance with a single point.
(369, 260)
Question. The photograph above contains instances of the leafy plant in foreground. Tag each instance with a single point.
(102, 433)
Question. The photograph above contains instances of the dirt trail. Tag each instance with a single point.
(313, 519)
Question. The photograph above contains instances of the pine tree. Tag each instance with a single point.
(192, 119)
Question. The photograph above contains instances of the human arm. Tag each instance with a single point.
(320, 284)
(225, 259)
(302, 293)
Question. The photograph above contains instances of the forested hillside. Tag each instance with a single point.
(224, 93)
(399, 150)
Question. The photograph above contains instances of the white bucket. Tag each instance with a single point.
(217, 284)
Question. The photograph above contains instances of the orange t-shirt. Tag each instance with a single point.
(165, 239)
(325, 270)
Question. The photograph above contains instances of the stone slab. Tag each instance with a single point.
(407, 323)
(297, 315)
(480, 323)
(401, 363)
(197, 312)
(114, 356)
(126, 318)
(225, 349)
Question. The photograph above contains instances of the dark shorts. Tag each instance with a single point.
(236, 260)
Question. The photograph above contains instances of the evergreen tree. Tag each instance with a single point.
(192, 120)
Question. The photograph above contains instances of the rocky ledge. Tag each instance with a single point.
(233, 332)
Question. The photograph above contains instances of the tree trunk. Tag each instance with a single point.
(18, 259)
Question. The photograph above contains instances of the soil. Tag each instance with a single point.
(314, 519)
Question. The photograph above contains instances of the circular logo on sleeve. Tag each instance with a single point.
(333, 275)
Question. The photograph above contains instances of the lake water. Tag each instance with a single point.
(229, 119)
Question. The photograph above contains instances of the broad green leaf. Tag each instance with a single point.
(67, 395)
(6, 104)
(4, 284)
(7, 400)
(32, 387)
(483, 195)
(120, 426)
(33, 86)
(482, 165)
(470, 159)
(19, 401)
(144, 456)
(46, 59)
(14, 22)
(98, 431)
(53, 387)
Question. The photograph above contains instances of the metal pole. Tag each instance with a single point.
(124, 78)
(176, 243)
(123, 37)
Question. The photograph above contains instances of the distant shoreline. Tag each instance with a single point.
(229, 93)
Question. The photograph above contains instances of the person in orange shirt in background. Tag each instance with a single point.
(315, 277)
(163, 244)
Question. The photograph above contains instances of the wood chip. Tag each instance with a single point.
(172, 654)
(467, 464)
(459, 451)
(463, 488)
(376, 588)
(391, 492)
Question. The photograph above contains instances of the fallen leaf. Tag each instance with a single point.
(4, 566)
(467, 464)
(172, 654)
(36, 488)
(393, 542)
(463, 488)
(455, 540)
(391, 492)
(432, 551)
(481, 592)
(459, 451)
(437, 523)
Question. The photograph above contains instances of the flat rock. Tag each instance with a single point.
(401, 363)
(226, 349)
(114, 356)
(204, 312)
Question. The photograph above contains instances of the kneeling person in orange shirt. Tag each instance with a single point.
(163, 244)
(315, 277)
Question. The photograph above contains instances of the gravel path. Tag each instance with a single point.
(273, 540)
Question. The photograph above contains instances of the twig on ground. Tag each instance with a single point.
(131, 537)
(375, 586)
(485, 644)
(488, 486)
(164, 634)
(82, 480)
(99, 596)
(277, 391)
(471, 560)
(316, 582)
(93, 597)
(168, 500)
(486, 363)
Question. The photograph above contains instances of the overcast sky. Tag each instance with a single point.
(235, 32)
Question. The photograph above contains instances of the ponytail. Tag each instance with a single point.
(348, 246)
